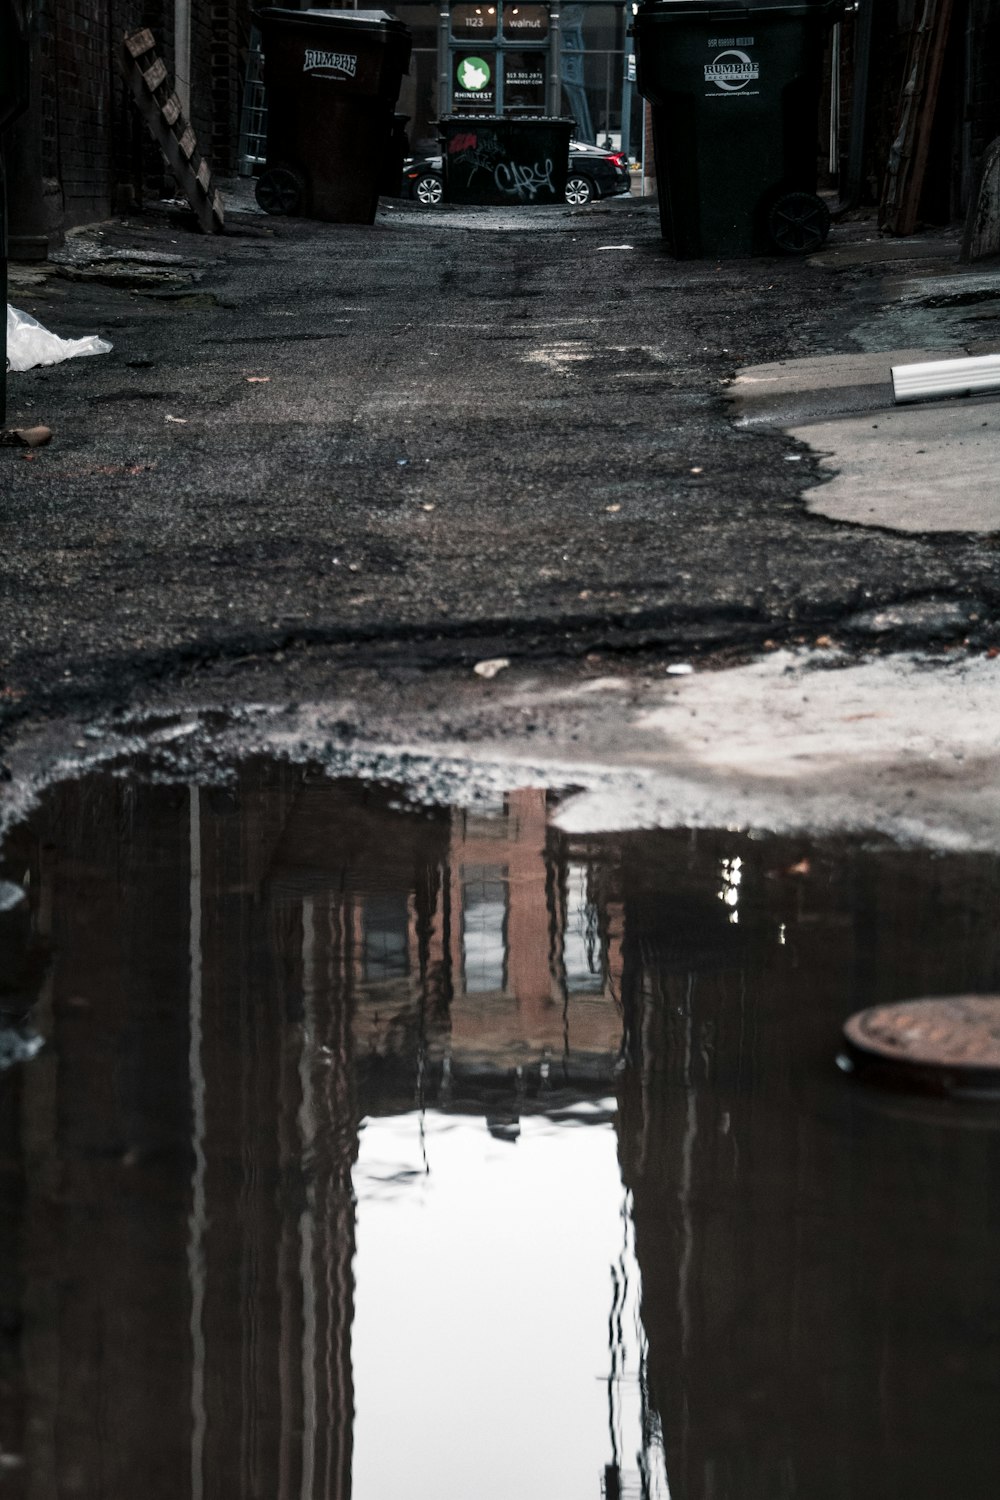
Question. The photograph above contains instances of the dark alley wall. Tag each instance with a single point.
(95, 152)
(967, 112)
(981, 44)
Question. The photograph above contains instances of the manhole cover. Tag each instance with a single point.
(951, 1045)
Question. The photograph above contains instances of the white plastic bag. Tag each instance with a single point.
(29, 344)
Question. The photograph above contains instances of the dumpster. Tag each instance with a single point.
(332, 80)
(735, 93)
(14, 56)
(499, 159)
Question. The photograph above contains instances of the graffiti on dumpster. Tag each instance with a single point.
(462, 143)
(524, 182)
(482, 156)
(478, 152)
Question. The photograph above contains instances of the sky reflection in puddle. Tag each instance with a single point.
(511, 1263)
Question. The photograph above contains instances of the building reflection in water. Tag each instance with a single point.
(239, 978)
(818, 1259)
(356, 1122)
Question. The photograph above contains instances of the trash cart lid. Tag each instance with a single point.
(351, 17)
(371, 20)
(739, 9)
(458, 118)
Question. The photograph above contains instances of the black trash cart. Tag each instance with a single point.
(735, 93)
(332, 79)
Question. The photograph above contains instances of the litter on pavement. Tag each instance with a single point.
(24, 437)
(491, 667)
(29, 344)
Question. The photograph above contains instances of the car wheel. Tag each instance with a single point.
(280, 190)
(578, 190)
(428, 190)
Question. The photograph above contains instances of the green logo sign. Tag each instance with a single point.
(474, 74)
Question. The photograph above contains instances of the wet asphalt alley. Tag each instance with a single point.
(452, 429)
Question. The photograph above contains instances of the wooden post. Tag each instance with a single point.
(915, 119)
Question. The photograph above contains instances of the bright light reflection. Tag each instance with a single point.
(731, 871)
(483, 1294)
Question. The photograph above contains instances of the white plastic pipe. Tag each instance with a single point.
(182, 54)
(946, 377)
(834, 159)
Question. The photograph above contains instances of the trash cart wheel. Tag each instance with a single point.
(798, 223)
(280, 190)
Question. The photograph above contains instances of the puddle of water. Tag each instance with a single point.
(376, 1149)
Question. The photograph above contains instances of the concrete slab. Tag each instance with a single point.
(921, 468)
(926, 468)
(958, 287)
(798, 390)
(877, 250)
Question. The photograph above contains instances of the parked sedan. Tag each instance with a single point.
(593, 173)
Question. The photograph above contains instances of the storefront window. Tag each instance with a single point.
(592, 65)
(418, 94)
(470, 22)
(582, 954)
(524, 81)
(525, 23)
(497, 57)
(386, 931)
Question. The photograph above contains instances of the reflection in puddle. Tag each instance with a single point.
(376, 1150)
(496, 1329)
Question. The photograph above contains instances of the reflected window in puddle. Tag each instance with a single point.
(484, 929)
(385, 925)
(581, 941)
(488, 820)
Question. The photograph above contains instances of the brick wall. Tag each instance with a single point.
(96, 151)
(229, 36)
(76, 104)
